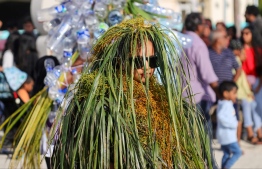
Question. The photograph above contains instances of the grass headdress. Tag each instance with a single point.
(113, 120)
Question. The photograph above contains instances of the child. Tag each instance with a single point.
(246, 96)
(21, 85)
(227, 124)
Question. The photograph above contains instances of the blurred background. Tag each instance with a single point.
(20, 15)
(228, 11)
(231, 12)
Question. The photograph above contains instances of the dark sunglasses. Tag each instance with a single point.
(139, 62)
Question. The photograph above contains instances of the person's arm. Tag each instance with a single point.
(237, 75)
(214, 86)
(24, 96)
(242, 55)
(69, 76)
(246, 87)
(236, 66)
(8, 59)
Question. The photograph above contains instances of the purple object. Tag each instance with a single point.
(200, 70)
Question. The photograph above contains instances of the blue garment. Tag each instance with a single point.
(200, 71)
(258, 99)
(251, 116)
(223, 64)
(232, 152)
(226, 122)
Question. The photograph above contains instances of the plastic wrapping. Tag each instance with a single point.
(75, 25)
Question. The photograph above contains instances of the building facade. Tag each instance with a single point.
(227, 11)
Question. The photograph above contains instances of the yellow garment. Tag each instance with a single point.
(244, 90)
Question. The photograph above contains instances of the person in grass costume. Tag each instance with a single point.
(122, 116)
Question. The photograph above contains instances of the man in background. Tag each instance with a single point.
(220, 55)
(29, 28)
(253, 17)
(27, 53)
(202, 76)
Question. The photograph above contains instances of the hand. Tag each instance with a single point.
(1, 69)
(69, 76)
(242, 55)
(251, 96)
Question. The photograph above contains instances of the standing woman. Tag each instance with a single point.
(252, 65)
(27, 55)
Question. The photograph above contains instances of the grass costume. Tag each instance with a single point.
(119, 117)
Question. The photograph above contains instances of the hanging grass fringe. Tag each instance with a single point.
(114, 121)
(27, 139)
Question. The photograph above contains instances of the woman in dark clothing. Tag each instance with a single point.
(27, 55)
(11, 50)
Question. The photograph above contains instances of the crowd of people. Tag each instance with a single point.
(225, 73)
(20, 49)
(18, 62)
(225, 76)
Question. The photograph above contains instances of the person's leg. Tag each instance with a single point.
(48, 162)
(247, 113)
(226, 155)
(236, 153)
(247, 108)
(257, 120)
(258, 99)
(204, 107)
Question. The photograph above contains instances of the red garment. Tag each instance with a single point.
(249, 65)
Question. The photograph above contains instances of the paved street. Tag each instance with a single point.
(4, 162)
(252, 158)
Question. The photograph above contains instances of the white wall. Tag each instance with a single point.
(172, 4)
(37, 5)
(217, 11)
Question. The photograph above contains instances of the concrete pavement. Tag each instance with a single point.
(252, 158)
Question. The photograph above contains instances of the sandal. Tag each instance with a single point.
(259, 141)
(252, 140)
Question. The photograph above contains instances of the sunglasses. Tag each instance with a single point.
(139, 62)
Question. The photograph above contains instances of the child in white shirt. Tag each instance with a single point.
(227, 124)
